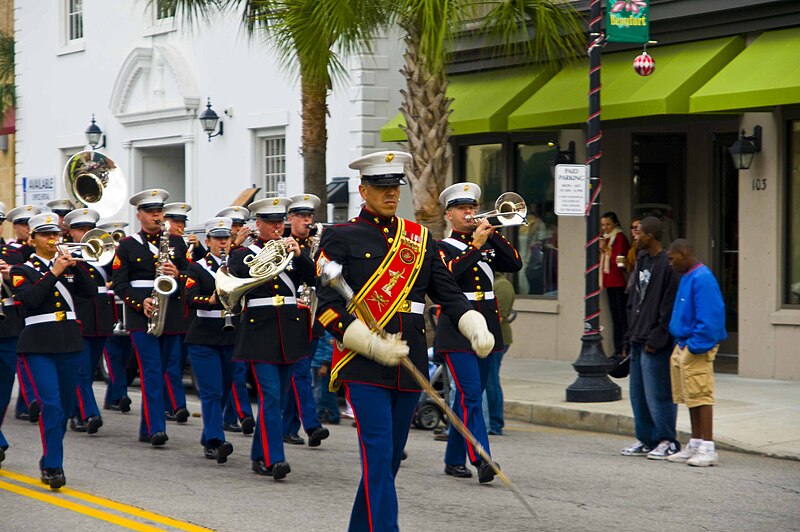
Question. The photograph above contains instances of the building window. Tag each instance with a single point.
(74, 20)
(273, 166)
(165, 9)
(792, 284)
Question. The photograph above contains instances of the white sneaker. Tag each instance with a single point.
(663, 450)
(704, 457)
(637, 449)
(683, 456)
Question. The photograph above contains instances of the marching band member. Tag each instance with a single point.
(210, 344)
(472, 253)
(118, 346)
(50, 343)
(96, 315)
(177, 214)
(274, 333)
(10, 327)
(299, 401)
(134, 270)
(390, 264)
(238, 407)
(61, 207)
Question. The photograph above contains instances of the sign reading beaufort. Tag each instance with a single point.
(572, 189)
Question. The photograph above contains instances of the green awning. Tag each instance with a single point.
(481, 101)
(766, 73)
(681, 69)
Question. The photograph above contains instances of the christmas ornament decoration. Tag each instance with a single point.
(644, 64)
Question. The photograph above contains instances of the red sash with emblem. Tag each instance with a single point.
(384, 294)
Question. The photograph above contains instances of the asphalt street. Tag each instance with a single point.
(574, 480)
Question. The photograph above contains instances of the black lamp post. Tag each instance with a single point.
(209, 119)
(745, 148)
(94, 135)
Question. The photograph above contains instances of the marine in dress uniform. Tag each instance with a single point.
(117, 351)
(274, 333)
(96, 315)
(472, 253)
(210, 344)
(50, 343)
(391, 265)
(61, 207)
(10, 327)
(132, 279)
(299, 405)
(238, 407)
(27, 407)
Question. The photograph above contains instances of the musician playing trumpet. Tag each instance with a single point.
(210, 345)
(274, 331)
(177, 213)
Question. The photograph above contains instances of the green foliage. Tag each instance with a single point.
(7, 92)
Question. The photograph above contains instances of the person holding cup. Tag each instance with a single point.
(614, 248)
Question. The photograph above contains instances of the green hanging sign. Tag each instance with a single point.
(627, 21)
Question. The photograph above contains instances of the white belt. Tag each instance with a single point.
(479, 296)
(411, 307)
(102, 290)
(210, 313)
(45, 318)
(8, 302)
(274, 301)
(142, 284)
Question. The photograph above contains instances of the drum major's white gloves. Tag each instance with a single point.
(473, 326)
(387, 351)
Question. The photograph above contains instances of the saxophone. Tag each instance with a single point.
(163, 286)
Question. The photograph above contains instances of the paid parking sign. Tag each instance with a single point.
(572, 189)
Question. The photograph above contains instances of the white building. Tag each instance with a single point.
(146, 79)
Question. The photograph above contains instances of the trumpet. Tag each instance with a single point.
(117, 235)
(510, 210)
(96, 246)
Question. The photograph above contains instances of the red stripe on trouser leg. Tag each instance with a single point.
(170, 392)
(80, 403)
(261, 420)
(108, 366)
(473, 457)
(297, 402)
(41, 406)
(236, 402)
(22, 390)
(146, 409)
(365, 472)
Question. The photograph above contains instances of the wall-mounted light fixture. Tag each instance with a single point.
(745, 148)
(209, 119)
(94, 135)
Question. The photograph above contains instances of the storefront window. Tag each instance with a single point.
(484, 166)
(792, 290)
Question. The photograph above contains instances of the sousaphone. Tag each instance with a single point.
(92, 179)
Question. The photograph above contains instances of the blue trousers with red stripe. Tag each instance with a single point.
(117, 353)
(25, 390)
(53, 378)
(8, 368)
(152, 354)
(470, 374)
(383, 417)
(86, 405)
(238, 406)
(272, 382)
(212, 369)
(300, 401)
(173, 375)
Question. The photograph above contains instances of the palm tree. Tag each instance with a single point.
(7, 97)
(536, 30)
(309, 36)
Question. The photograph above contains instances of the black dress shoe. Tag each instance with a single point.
(170, 416)
(231, 427)
(46, 475)
(248, 425)
(181, 415)
(485, 472)
(157, 439)
(210, 453)
(280, 470)
(223, 452)
(93, 424)
(114, 407)
(293, 439)
(458, 471)
(125, 404)
(57, 479)
(77, 424)
(2, 456)
(317, 435)
(34, 409)
(259, 468)
(21, 415)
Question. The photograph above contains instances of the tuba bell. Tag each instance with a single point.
(94, 180)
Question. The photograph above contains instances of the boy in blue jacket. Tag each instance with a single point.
(698, 325)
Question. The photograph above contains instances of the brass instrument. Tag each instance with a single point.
(117, 235)
(94, 180)
(96, 246)
(264, 266)
(228, 325)
(510, 209)
(309, 292)
(163, 286)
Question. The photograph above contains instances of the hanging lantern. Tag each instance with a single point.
(644, 64)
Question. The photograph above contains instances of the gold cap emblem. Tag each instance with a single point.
(466, 188)
(220, 224)
(305, 197)
(85, 211)
(389, 157)
(183, 206)
(154, 193)
(276, 201)
(48, 219)
(30, 208)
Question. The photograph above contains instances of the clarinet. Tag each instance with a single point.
(228, 326)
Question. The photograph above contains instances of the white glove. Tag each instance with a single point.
(473, 326)
(387, 351)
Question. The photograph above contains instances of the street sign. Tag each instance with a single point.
(627, 21)
(38, 190)
(572, 189)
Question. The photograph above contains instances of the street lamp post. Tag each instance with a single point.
(593, 384)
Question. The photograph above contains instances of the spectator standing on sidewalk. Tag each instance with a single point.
(698, 325)
(504, 295)
(613, 252)
(649, 342)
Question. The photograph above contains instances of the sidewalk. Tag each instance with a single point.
(751, 415)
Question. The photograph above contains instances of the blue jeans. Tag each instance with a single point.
(654, 413)
(327, 401)
(493, 403)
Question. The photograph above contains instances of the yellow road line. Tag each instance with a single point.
(112, 505)
(91, 512)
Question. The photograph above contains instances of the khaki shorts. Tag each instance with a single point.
(692, 377)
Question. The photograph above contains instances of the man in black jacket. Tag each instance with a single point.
(650, 344)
